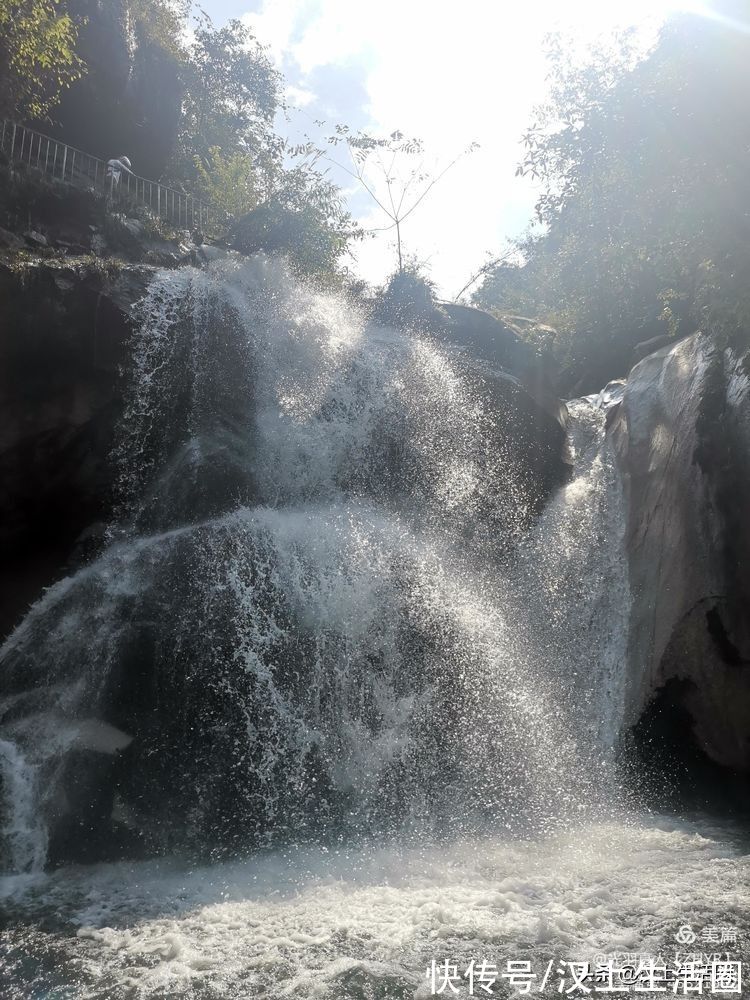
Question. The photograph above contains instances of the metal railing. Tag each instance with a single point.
(73, 166)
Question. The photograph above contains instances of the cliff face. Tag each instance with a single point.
(64, 334)
(140, 638)
(64, 361)
(128, 102)
(682, 434)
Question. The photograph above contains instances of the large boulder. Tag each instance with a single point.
(682, 436)
(499, 343)
(536, 417)
(523, 386)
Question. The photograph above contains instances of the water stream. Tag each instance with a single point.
(333, 670)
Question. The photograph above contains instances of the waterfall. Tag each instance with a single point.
(322, 609)
(22, 832)
(575, 577)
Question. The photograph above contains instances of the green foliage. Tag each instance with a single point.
(37, 56)
(411, 285)
(232, 93)
(304, 219)
(219, 84)
(229, 183)
(159, 23)
(303, 189)
(644, 210)
(408, 298)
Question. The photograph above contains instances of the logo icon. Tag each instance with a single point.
(685, 935)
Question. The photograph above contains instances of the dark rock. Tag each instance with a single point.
(64, 333)
(481, 336)
(139, 240)
(522, 389)
(487, 337)
(647, 347)
(74, 249)
(682, 435)
(670, 770)
(35, 239)
(82, 818)
(10, 241)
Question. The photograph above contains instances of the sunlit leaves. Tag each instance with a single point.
(232, 93)
(643, 164)
(37, 56)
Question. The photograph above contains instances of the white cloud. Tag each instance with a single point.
(299, 96)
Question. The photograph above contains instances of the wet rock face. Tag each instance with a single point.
(234, 620)
(66, 327)
(682, 434)
(64, 334)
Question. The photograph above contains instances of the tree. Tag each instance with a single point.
(385, 169)
(160, 23)
(232, 93)
(37, 56)
(229, 183)
(303, 218)
(408, 300)
(644, 215)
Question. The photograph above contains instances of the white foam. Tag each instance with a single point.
(297, 924)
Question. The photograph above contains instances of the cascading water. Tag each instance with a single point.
(575, 580)
(325, 614)
(274, 602)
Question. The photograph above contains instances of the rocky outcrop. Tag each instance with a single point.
(533, 413)
(682, 435)
(129, 99)
(523, 387)
(483, 336)
(52, 219)
(64, 343)
(64, 332)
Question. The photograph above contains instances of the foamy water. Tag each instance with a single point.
(344, 923)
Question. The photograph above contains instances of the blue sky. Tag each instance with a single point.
(449, 74)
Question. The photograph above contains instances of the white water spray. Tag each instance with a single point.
(302, 603)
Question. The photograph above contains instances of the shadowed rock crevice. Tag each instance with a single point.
(65, 327)
(663, 750)
(729, 653)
